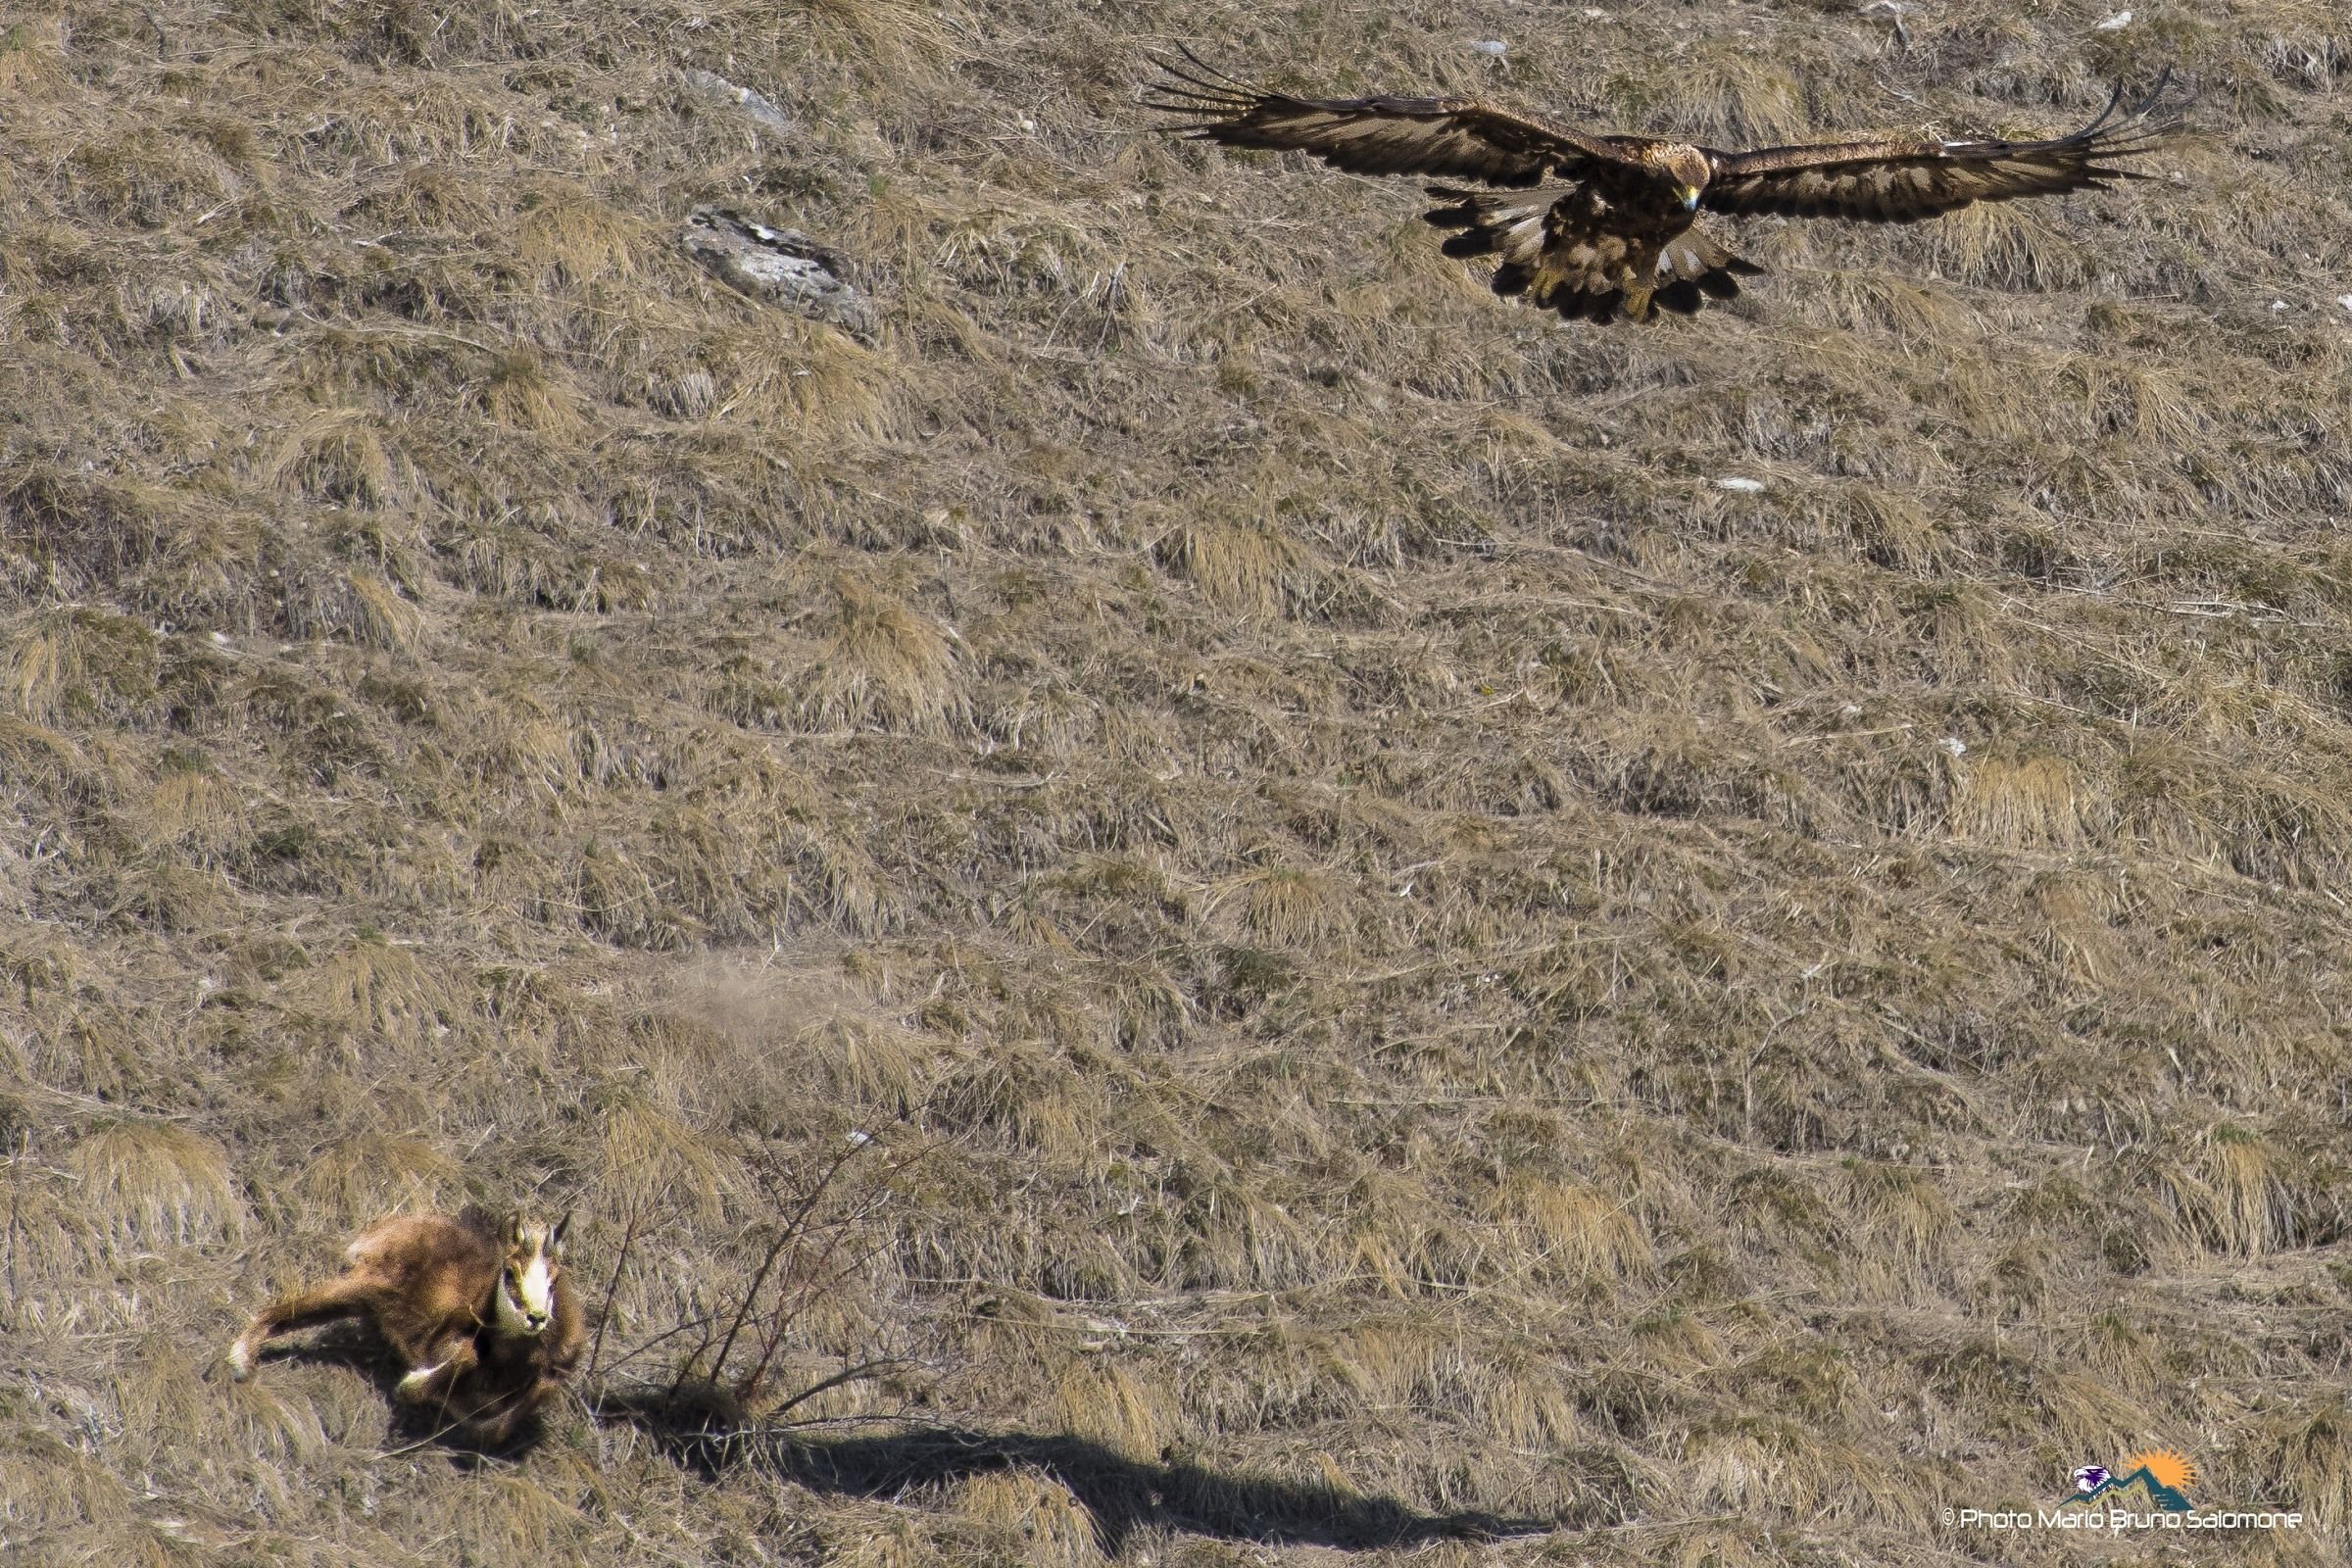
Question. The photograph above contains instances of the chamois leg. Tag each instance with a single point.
(346, 1296)
(495, 1420)
(448, 1360)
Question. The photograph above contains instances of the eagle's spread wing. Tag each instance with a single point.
(1456, 138)
(1902, 181)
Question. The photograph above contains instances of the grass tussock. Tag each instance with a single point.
(372, 986)
(1033, 1516)
(883, 665)
(157, 1182)
(375, 1172)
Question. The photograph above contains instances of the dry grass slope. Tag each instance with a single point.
(1443, 967)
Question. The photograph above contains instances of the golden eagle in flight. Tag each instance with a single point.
(1589, 226)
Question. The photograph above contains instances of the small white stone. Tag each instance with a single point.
(1743, 485)
(1953, 745)
(859, 1140)
(2278, 305)
(2115, 24)
(2345, 300)
(1851, 710)
(1490, 46)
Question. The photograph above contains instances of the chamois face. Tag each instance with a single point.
(526, 1285)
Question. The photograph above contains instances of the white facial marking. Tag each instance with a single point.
(524, 1295)
(537, 1286)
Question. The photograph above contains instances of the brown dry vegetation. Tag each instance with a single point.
(1447, 965)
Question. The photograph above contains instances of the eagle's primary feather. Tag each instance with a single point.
(1901, 182)
(1608, 228)
(1453, 138)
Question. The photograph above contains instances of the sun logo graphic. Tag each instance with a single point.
(2144, 1490)
(2155, 1480)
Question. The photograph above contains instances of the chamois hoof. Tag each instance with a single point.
(417, 1386)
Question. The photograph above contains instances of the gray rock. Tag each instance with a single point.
(780, 267)
(718, 89)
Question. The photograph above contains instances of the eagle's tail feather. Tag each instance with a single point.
(1682, 296)
(1580, 305)
(1693, 269)
(1512, 227)
(1593, 276)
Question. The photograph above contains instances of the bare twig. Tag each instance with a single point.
(455, 1422)
(860, 1373)
(604, 1319)
(687, 1326)
(16, 1204)
(784, 1240)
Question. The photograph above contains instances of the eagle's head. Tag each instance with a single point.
(1687, 167)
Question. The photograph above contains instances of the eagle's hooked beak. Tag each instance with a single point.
(1690, 198)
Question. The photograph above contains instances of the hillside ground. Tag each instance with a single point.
(1407, 973)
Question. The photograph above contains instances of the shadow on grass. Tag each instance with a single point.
(888, 1459)
(1120, 1494)
(411, 1426)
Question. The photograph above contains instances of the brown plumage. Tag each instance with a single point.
(1606, 222)
(482, 1315)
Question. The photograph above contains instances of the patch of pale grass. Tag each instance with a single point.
(523, 391)
(77, 664)
(31, 60)
(778, 374)
(567, 236)
(157, 1182)
(865, 1061)
(194, 803)
(2305, 1450)
(1580, 1233)
(381, 618)
(1032, 1516)
(884, 663)
(1104, 1402)
(517, 1517)
(1908, 1222)
(373, 1173)
(1238, 567)
(372, 986)
(2230, 1192)
(2009, 245)
(2032, 802)
(1716, 91)
(341, 454)
(1299, 907)
(652, 1152)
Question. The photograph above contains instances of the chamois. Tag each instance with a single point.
(481, 1314)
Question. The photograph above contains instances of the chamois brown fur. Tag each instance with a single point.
(445, 1293)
